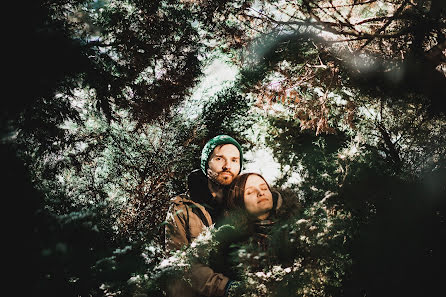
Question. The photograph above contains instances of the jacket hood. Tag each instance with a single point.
(198, 189)
(277, 201)
(197, 184)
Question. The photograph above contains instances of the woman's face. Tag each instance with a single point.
(257, 196)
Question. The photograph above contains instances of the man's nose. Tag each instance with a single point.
(227, 165)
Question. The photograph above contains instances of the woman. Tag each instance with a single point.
(252, 206)
(253, 209)
(254, 216)
(251, 192)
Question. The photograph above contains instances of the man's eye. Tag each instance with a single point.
(249, 193)
(217, 159)
(235, 160)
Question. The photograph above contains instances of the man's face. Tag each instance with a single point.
(224, 164)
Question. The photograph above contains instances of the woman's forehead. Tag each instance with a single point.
(254, 180)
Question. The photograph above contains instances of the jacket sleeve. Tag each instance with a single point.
(204, 280)
(207, 282)
(175, 230)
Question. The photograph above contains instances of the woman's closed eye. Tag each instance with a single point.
(249, 192)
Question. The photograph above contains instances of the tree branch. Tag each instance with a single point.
(395, 15)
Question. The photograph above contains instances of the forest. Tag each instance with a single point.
(110, 103)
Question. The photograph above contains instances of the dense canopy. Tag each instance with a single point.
(111, 102)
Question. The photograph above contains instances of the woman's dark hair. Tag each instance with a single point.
(235, 197)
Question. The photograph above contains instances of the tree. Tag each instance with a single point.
(348, 95)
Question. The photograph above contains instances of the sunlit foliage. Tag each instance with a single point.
(347, 95)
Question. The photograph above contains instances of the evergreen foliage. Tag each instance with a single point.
(347, 95)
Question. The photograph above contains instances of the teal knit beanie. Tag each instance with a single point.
(212, 144)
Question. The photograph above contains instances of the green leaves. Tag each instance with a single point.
(93, 118)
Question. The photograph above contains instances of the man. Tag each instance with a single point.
(202, 205)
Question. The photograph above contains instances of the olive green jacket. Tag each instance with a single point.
(185, 220)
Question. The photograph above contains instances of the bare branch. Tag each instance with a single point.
(395, 15)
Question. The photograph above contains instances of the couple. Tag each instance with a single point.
(214, 192)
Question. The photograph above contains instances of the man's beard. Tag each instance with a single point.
(223, 178)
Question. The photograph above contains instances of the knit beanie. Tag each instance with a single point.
(212, 144)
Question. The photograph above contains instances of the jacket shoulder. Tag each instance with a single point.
(179, 199)
(182, 202)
